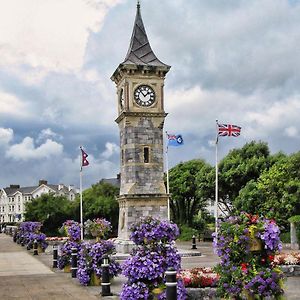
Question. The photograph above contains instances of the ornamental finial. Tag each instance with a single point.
(138, 4)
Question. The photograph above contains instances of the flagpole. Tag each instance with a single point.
(81, 209)
(216, 188)
(168, 186)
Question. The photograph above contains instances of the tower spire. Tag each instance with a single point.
(140, 52)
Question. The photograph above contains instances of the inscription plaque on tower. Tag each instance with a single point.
(139, 81)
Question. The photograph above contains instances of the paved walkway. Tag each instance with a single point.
(27, 277)
(24, 277)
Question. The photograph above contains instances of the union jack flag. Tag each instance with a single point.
(229, 130)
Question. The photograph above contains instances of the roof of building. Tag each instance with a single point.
(113, 181)
(140, 52)
(30, 189)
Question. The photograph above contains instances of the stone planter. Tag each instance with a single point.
(290, 270)
(201, 293)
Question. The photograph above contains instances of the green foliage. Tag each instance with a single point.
(187, 199)
(276, 192)
(250, 179)
(241, 166)
(51, 210)
(294, 219)
(99, 201)
(186, 233)
(285, 237)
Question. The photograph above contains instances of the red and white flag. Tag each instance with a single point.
(84, 161)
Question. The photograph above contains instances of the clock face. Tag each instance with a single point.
(122, 98)
(144, 95)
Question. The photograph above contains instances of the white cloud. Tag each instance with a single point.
(291, 131)
(275, 116)
(26, 150)
(110, 150)
(10, 104)
(48, 133)
(6, 135)
(49, 34)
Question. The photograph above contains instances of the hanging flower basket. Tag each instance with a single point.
(67, 269)
(246, 245)
(95, 280)
(255, 244)
(98, 228)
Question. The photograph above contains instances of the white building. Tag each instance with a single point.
(14, 198)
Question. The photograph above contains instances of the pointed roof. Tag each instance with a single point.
(140, 52)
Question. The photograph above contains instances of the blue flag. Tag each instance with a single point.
(175, 140)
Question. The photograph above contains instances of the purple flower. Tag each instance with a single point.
(154, 253)
(72, 229)
(90, 259)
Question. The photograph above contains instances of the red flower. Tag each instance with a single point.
(271, 257)
(244, 267)
(254, 219)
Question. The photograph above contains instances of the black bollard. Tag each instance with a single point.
(74, 262)
(35, 248)
(55, 256)
(194, 242)
(105, 284)
(171, 284)
(15, 236)
(23, 241)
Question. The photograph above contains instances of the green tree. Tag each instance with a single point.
(49, 209)
(276, 192)
(186, 197)
(99, 201)
(241, 166)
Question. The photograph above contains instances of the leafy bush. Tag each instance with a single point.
(186, 233)
(285, 237)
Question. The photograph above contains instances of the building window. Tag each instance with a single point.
(146, 155)
(19, 207)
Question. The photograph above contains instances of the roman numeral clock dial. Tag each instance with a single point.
(144, 95)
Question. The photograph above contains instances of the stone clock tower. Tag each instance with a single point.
(140, 90)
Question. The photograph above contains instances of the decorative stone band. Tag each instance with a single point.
(290, 270)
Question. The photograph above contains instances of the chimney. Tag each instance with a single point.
(42, 181)
(71, 187)
(14, 186)
(60, 186)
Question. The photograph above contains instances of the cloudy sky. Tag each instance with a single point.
(237, 61)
